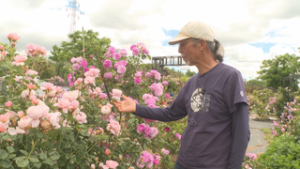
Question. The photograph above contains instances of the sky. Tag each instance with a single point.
(250, 30)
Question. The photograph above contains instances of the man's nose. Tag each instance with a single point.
(179, 49)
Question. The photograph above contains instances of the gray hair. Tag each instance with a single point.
(216, 48)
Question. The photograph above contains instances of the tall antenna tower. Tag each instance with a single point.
(74, 12)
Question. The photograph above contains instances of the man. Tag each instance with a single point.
(215, 101)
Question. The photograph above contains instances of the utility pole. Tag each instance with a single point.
(74, 13)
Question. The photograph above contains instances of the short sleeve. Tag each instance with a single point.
(234, 91)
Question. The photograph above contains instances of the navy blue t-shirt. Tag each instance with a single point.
(208, 100)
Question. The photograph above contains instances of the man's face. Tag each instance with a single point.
(188, 51)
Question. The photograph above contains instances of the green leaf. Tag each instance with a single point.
(6, 137)
(24, 152)
(5, 65)
(3, 154)
(12, 156)
(5, 163)
(43, 156)
(22, 161)
(131, 120)
(10, 149)
(34, 159)
(49, 161)
(38, 165)
(40, 135)
(54, 155)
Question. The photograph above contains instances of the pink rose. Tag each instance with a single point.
(74, 104)
(147, 130)
(132, 46)
(20, 114)
(178, 136)
(76, 66)
(121, 69)
(145, 51)
(123, 52)
(117, 56)
(107, 64)
(135, 51)
(54, 119)
(89, 80)
(84, 63)
(48, 86)
(252, 156)
(137, 80)
(13, 37)
(81, 118)
(4, 118)
(117, 93)
(112, 164)
(114, 127)
(167, 95)
(141, 127)
(105, 109)
(154, 132)
(64, 104)
(165, 83)
(19, 60)
(31, 72)
(2, 128)
(111, 50)
(24, 122)
(71, 95)
(108, 75)
(165, 151)
(8, 104)
(37, 112)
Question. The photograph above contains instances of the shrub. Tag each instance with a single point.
(282, 153)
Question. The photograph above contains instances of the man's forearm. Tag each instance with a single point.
(162, 114)
(241, 136)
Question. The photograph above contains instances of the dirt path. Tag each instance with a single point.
(257, 142)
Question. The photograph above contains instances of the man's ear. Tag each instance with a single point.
(202, 44)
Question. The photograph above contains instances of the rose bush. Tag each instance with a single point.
(47, 126)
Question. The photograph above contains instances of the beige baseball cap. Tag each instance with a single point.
(195, 29)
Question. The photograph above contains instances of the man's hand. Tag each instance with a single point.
(127, 105)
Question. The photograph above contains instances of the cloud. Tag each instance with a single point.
(121, 15)
(277, 9)
(38, 38)
(28, 4)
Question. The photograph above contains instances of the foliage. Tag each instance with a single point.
(283, 152)
(190, 73)
(254, 84)
(62, 69)
(49, 127)
(262, 102)
(184, 78)
(45, 67)
(82, 43)
(273, 70)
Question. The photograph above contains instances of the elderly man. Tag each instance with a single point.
(214, 99)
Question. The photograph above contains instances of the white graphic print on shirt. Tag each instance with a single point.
(200, 100)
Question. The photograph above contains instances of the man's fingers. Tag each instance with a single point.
(124, 97)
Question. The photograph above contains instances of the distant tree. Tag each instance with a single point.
(190, 73)
(273, 70)
(256, 82)
(82, 43)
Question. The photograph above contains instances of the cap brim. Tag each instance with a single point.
(178, 38)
